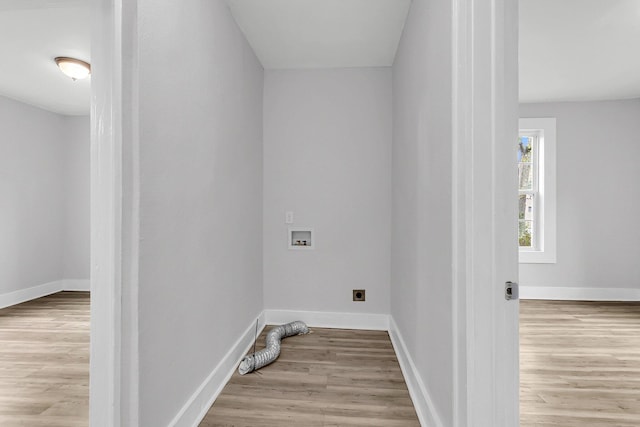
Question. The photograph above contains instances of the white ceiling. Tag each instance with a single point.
(569, 49)
(573, 50)
(322, 33)
(32, 34)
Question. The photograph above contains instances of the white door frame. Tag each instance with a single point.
(106, 217)
(114, 209)
(484, 244)
(485, 251)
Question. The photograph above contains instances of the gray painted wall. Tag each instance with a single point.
(77, 181)
(44, 196)
(32, 196)
(327, 158)
(200, 251)
(421, 261)
(598, 198)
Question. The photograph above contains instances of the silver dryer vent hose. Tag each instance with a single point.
(270, 353)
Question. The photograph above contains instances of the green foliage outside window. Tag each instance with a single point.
(524, 235)
(525, 182)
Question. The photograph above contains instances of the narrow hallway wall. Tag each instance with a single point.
(421, 257)
(200, 165)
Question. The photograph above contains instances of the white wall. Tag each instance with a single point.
(327, 158)
(32, 202)
(421, 261)
(598, 200)
(44, 211)
(76, 188)
(200, 171)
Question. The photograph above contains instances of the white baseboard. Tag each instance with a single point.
(579, 294)
(194, 411)
(23, 295)
(34, 292)
(83, 285)
(427, 414)
(324, 319)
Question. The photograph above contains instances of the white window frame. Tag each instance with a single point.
(544, 244)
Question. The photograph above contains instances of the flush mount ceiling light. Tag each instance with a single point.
(74, 68)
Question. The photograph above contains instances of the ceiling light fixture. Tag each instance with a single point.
(74, 68)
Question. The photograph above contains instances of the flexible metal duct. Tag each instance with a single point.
(270, 353)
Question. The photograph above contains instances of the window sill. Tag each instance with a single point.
(537, 257)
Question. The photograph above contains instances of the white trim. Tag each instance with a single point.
(326, 319)
(39, 291)
(571, 293)
(82, 285)
(107, 404)
(31, 293)
(460, 115)
(194, 411)
(425, 409)
(484, 211)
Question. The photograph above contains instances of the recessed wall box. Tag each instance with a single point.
(301, 238)
(359, 295)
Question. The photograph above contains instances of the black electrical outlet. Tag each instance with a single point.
(358, 294)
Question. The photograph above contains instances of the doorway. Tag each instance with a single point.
(478, 124)
(44, 214)
(579, 276)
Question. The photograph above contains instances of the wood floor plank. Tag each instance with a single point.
(331, 377)
(579, 364)
(44, 362)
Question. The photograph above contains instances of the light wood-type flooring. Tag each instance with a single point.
(44, 362)
(331, 377)
(579, 364)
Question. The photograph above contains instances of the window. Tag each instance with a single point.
(537, 192)
(528, 189)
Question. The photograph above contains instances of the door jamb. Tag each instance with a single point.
(485, 88)
(113, 388)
